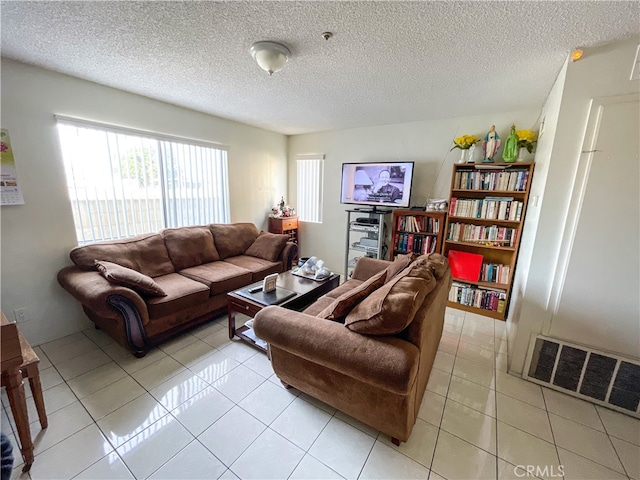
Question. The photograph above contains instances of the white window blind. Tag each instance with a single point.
(123, 182)
(310, 177)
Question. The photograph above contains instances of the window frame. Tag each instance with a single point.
(302, 196)
(166, 195)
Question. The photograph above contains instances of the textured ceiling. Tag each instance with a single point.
(388, 62)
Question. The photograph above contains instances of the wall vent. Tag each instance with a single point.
(603, 378)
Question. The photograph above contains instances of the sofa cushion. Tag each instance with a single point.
(400, 263)
(190, 246)
(219, 277)
(127, 277)
(391, 308)
(438, 263)
(345, 287)
(182, 293)
(258, 267)
(143, 253)
(233, 239)
(319, 305)
(267, 246)
(345, 302)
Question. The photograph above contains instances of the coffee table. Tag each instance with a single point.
(307, 292)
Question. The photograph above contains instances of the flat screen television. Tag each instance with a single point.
(380, 184)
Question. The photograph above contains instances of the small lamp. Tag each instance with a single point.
(271, 56)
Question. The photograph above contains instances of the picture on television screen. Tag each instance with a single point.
(377, 184)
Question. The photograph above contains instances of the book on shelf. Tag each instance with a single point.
(515, 180)
(409, 242)
(488, 208)
(478, 297)
(494, 234)
(417, 224)
(495, 273)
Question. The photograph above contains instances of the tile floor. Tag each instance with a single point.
(201, 406)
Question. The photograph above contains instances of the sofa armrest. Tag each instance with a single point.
(367, 267)
(389, 363)
(289, 252)
(93, 291)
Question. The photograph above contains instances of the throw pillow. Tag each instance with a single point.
(342, 305)
(267, 246)
(400, 263)
(190, 246)
(438, 263)
(391, 308)
(127, 277)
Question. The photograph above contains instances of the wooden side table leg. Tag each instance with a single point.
(18, 402)
(232, 323)
(38, 398)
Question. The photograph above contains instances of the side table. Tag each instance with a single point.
(12, 378)
(286, 226)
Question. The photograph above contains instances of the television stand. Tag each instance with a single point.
(374, 210)
(366, 236)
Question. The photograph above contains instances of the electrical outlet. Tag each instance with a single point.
(21, 314)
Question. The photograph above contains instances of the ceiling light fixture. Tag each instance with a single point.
(271, 56)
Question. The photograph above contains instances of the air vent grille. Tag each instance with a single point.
(599, 377)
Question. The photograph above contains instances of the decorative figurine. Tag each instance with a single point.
(472, 153)
(511, 146)
(490, 145)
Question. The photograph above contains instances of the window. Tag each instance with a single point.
(125, 182)
(310, 172)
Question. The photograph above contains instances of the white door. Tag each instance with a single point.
(599, 300)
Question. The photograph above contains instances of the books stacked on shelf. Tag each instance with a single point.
(488, 235)
(408, 242)
(411, 223)
(478, 297)
(495, 273)
(492, 208)
(515, 180)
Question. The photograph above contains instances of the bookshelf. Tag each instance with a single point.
(487, 208)
(416, 231)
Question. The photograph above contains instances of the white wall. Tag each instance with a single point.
(37, 236)
(544, 148)
(426, 143)
(600, 73)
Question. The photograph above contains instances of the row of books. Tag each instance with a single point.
(478, 297)
(411, 223)
(495, 272)
(514, 180)
(493, 208)
(494, 234)
(408, 242)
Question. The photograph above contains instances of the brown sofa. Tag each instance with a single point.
(376, 369)
(144, 289)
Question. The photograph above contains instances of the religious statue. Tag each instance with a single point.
(511, 146)
(490, 145)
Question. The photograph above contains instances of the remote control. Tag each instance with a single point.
(255, 289)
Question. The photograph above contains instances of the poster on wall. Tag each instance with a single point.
(10, 192)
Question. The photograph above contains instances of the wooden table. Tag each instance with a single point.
(11, 354)
(308, 291)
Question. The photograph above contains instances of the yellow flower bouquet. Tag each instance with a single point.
(526, 139)
(465, 142)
